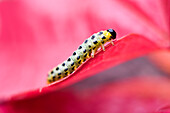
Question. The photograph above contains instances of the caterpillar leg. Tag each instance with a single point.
(92, 54)
(103, 47)
(112, 43)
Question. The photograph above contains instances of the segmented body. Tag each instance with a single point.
(84, 51)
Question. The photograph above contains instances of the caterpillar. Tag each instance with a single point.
(84, 51)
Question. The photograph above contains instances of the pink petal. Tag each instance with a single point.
(36, 35)
(136, 95)
(126, 48)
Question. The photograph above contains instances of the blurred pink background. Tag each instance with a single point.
(36, 35)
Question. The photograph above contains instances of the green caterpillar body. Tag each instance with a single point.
(84, 51)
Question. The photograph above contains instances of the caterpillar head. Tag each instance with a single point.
(113, 33)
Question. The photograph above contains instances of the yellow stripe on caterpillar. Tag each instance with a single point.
(84, 51)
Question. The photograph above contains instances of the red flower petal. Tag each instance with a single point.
(137, 95)
(34, 33)
(126, 48)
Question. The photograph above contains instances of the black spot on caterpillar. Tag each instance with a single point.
(89, 47)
